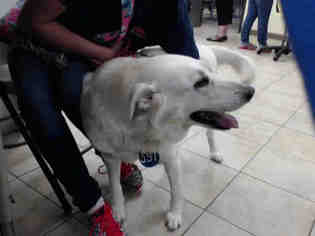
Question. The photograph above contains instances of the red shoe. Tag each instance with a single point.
(131, 178)
(104, 224)
(250, 47)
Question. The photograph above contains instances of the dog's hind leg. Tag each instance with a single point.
(173, 169)
(214, 154)
(113, 166)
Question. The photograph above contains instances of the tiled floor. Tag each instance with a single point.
(265, 186)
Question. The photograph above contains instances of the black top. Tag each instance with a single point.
(88, 18)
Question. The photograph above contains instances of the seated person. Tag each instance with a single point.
(87, 34)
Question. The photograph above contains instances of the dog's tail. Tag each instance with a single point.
(240, 63)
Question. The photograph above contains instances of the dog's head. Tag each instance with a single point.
(181, 91)
(160, 97)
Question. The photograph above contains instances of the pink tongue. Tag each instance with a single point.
(228, 121)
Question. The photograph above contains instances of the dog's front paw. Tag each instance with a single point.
(216, 157)
(119, 215)
(173, 221)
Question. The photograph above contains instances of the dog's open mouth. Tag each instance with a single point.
(217, 120)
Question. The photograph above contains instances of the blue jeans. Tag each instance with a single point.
(44, 91)
(260, 9)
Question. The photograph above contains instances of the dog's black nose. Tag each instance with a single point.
(249, 94)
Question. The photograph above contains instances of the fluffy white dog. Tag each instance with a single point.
(147, 105)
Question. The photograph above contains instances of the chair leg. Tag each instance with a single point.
(6, 218)
(285, 50)
(37, 154)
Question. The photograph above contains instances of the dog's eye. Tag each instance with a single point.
(201, 83)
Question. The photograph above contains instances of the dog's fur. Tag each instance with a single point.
(148, 104)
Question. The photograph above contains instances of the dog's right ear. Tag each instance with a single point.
(141, 100)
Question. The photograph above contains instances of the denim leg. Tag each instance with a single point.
(249, 21)
(224, 11)
(264, 9)
(69, 90)
(179, 36)
(41, 110)
(168, 27)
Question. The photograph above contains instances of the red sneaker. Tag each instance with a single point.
(104, 224)
(250, 47)
(131, 178)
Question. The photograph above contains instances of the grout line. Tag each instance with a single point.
(25, 173)
(295, 112)
(269, 139)
(223, 190)
(41, 194)
(208, 159)
(167, 190)
(193, 222)
(300, 131)
(278, 187)
(54, 227)
(241, 170)
(187, 138)
(226, 220)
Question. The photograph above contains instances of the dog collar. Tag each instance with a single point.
(149, 159)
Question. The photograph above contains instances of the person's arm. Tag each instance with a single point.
(38, 17)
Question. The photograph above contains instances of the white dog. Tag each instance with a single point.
(147, 105)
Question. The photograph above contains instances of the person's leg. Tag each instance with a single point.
(36, 88)
(248, 23)
(224, 13)
(69, 88)
(264, 9)
(176, 37)
(224, 16)
(69, 95)
(173, 32)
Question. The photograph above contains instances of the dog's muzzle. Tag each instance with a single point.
(216, 120)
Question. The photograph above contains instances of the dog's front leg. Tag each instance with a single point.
(214, 154)
(113, 166)
(173, 169)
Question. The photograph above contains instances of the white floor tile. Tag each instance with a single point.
(264, 210)
(209, 224)
(203, 180)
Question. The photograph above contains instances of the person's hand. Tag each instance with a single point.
(117, 47)
(105, 53)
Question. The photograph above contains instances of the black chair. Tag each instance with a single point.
(210, 5)
(7, 88)
(284, 47)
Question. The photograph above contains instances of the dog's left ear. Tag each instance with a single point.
(141, 100)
